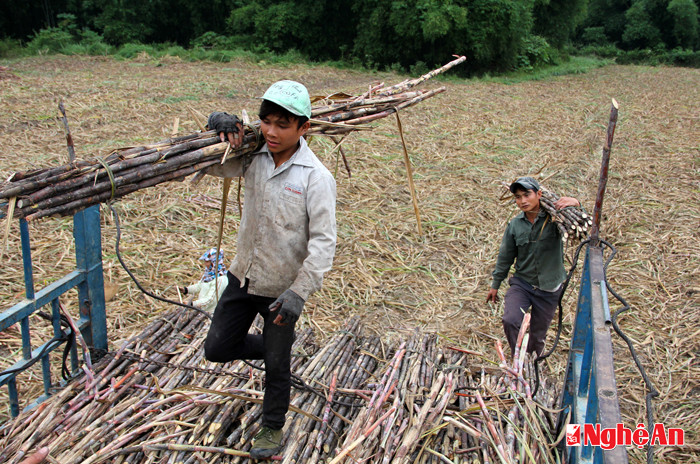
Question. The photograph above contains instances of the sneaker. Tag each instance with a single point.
(266, 443)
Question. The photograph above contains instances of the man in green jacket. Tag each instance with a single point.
(534, 243)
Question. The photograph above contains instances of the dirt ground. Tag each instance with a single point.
(463, 144)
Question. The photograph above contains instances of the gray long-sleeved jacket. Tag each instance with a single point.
(287, 235)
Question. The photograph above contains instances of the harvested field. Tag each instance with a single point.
(463, 143)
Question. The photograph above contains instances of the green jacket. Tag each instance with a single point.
(537, 250)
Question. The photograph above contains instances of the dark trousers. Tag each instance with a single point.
(228, 339)
(520, 298)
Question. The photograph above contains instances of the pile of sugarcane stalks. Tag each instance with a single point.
(63, 190)
(573, 222)
(157, 400)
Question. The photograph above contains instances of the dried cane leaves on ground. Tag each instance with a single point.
(463, 144)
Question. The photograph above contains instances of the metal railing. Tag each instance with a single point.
(87, 278)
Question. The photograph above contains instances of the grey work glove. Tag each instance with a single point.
(289, 306)
(223, 122)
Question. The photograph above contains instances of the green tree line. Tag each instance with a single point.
(495, 35)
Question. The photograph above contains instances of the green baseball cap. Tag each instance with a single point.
(290, 95)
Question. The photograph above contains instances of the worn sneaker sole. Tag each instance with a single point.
(259, 453)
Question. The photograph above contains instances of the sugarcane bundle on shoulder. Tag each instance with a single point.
(64, 190)
(572, 221)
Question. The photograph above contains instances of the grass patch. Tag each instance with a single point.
(574, 65)
(173, 100)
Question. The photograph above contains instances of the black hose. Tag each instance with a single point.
(152, 295)
(653, 393)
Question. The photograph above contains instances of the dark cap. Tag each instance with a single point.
(525, 183)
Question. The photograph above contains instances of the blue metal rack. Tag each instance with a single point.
(590, 392)
(88, 279)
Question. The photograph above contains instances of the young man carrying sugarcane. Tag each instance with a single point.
(533, 241)
(286, 242)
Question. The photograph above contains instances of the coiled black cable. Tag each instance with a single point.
(68, 338)
(653, 392)
(131, 274)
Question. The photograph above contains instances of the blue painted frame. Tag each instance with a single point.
(590, 391)
(89, 280)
